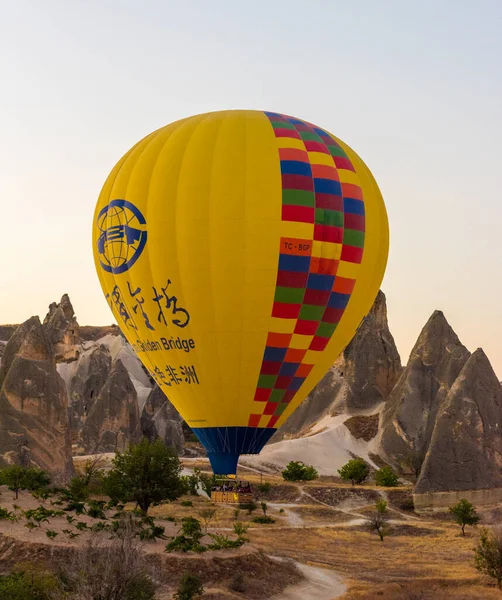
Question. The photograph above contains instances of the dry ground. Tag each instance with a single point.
(423, 558)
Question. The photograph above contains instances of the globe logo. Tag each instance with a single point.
(122, 236)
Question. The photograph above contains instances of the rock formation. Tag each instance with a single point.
(90, 375)
(61, 326)
(159, 419)
(410, 412)
(113, 419)
(34, 426)
(359, 381)
(465, 451)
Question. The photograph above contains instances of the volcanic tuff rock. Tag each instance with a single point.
(62, 328)
(34, 427)
(360, 379)
(410, 412)
(113, 420)
(91, 373)
(465, 451)
(159, 419)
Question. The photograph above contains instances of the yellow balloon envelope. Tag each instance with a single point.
(239, 252)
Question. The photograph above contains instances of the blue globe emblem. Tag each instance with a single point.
(122, 236)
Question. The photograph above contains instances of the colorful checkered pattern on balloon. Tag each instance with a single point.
(309, 294)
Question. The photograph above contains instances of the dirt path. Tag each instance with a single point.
(319, 584)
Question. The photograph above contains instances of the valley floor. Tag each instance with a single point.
(319, 524)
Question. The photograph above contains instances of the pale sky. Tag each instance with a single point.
(414, 87)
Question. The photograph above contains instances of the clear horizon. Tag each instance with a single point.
(416, 90)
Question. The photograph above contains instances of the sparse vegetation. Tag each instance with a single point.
(147, 473)
(488, 554)
(263, 520)
(190, 588)
(207, 515)
(377, 521)
(465, 514)
(189, 538)
(299, 471)
(355, 471)
(18, 478)
(385, 477)
(264, 488)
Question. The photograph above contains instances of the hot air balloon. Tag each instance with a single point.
(239, 251)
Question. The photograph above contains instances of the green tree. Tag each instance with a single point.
(488, 554)
(465, 514)
(146, 473)
(299, 471)
(386, 477)
(355, 470)
(23, 478)
(190, 588)
(377, 521)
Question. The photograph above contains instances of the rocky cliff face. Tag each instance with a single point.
(34, 426)
(113, 419)
(465, 451)
(61, 326)
(411, 409)
(359, 381)
(159, 419)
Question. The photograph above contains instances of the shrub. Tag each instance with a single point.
(189, 539)
(377, 521)
(29, 583)
(5, 514)
(264, 519)
(116, 569)
(41, 514)
(222, 542)
(264, 488)
(190, 588)
(78, 507)
(488, 554)
(95, 509)
(186, 503)
(250, 507)
(240, 530)
(146, 473)
(207, 515)
(386, 477)
(299, 471)
(78, 489)
(465, 514)
(264, 508)
(355, 470)
(51, 534)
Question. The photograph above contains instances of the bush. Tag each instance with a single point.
(189, 539)
(78, 489)
(465, 514)
(488, 554)
(190, 588)
(250, 507)
(28, 584)
(186, 503)
(51, 534)
(146, 473)
(264, 488)
(240, 529)
(207, 515)
(355, 470)
(264, 519)
(116, 567)
(299, 471)
(377, 521)
(95, 509)
(386, 477)
(41, 514)
(222, 542)
(5, 514)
